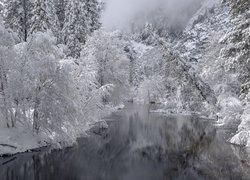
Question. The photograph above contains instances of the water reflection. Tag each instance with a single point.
(137, 146)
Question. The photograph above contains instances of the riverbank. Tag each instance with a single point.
(19, 140)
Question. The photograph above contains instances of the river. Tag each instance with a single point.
(138, 145)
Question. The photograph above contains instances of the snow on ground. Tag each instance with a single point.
(17, 140)
(241, 138)
(243, 134)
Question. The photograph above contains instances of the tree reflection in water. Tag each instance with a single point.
(137, 145)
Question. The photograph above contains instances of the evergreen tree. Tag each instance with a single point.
(44, 17)
(76, 27)
(18, 17)
(82, 19)
(60, 8)
(94, 9)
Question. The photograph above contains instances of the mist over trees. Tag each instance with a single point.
(165, 16)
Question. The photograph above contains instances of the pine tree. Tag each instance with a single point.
(60, 8)
(82, 19)
(18, 17)
(44, 17)
(94, 9)
(76, 27)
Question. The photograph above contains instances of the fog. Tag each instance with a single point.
(120, 13)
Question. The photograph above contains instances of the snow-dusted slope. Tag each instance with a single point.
(208, 25)
(201, 46)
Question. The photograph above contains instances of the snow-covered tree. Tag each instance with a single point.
(41, 93)
(151, 89)
(106, 52)
(7, 66)
(94, 8)
(44, 17)
(48, 85)
(88, 93)
(76, 26)
(60, 9)
(82, 19)
(18, 16)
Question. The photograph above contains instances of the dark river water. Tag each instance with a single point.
(137, 146)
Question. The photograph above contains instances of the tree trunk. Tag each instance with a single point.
(25, 19)
(3, 86)
(36, 117)
(36, 112)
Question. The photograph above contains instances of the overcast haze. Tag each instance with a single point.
(119, 13)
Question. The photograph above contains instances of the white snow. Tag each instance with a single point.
(241, 138)
(17, 140)
(243, 135)
(140, 48)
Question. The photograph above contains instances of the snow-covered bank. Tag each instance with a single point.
(18, 140)
(174, 112)
(21, 139)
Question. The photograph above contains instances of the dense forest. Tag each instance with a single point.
(65, 64)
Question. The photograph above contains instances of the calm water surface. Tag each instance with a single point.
(137, 146)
